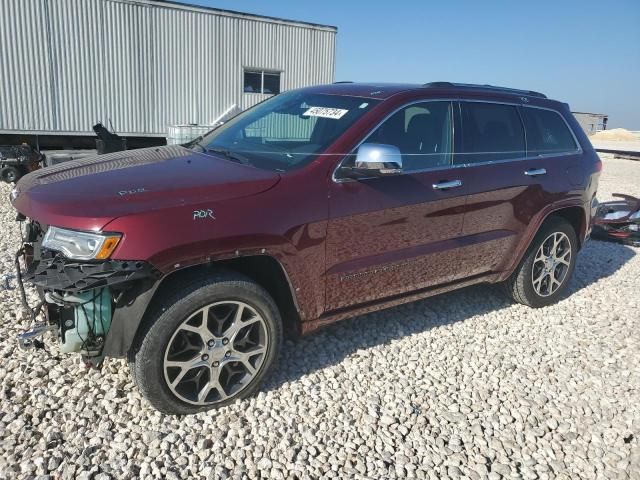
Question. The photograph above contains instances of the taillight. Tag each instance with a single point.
(598, 165)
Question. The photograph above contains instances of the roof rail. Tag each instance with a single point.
(530, 93)
(343, 81)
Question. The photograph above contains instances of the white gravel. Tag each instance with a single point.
(463, 385)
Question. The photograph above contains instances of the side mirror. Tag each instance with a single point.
(376, 160)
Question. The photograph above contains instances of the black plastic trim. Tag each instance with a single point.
(55, 272)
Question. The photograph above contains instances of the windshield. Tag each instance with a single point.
(286, 131)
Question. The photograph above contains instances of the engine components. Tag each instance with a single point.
(85, 332)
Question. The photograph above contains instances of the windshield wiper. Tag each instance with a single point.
(235, 157)
(196, 143)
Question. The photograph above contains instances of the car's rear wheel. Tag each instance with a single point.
(544, 273)
(209, 345)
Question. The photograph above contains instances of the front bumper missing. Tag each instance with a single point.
(58, 278)
(53, 271)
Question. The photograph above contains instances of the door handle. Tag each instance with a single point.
(446, 185)
(534, 172)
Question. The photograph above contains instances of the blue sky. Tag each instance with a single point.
(584, 52)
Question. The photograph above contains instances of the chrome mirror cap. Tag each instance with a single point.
(380, 158)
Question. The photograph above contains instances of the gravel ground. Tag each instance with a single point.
(462, 385)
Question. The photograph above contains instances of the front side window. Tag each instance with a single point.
(490, 132)
(547, 132)
(260, 81)
(422, 133)
(288, 130)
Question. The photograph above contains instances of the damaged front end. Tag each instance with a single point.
(618, 221)
(79, 299)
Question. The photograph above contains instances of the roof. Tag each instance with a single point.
(385, 90)
(233, 13)
(369, 90)
(590, 113)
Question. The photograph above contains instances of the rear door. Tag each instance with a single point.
(391, 235)
(506, 184)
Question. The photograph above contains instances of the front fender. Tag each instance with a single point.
(131, 308)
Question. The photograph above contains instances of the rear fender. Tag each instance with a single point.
(535, 225)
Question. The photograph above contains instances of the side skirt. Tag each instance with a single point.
(389, 302)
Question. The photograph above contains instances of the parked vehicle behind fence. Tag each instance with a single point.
(316, 205)
(18, 160)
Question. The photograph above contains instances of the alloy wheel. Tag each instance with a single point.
(551, 264)
(215, 352)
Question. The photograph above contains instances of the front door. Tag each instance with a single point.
(391, 235)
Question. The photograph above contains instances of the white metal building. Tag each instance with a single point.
(592, 122)
(144, 65)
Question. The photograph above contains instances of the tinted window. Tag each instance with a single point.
(422, 132)
(547, 133)
(271, 83)
(253, 82)
(490, 131)
(258, 81)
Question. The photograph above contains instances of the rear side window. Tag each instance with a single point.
(490, 131)
(547, 132)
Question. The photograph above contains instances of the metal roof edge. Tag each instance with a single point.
(230, 13)
(592, 113)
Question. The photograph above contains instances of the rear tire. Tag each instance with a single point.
(544, 273)
(208, 345)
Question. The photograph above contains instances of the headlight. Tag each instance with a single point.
(81, 245)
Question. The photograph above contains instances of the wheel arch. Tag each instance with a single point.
(575, 215)
(263, 269)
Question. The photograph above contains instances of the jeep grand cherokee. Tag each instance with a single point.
(316, 205)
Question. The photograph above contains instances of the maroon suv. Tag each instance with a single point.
(316, 205)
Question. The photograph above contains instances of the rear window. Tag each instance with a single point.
(490, 131)
(547, 132)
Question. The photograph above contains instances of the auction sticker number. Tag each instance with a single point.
(325, 112)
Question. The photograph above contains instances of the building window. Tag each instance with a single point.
(259, 81)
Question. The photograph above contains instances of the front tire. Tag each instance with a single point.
(210, 344)
(544, 273)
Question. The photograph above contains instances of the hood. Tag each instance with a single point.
(88, 193)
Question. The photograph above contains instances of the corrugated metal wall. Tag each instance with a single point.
(591, 122)
(67, 64)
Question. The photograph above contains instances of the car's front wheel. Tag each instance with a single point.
(544, 273)
(210, 344)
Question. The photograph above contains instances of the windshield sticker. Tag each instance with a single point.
(363, 105)
(326, 112)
